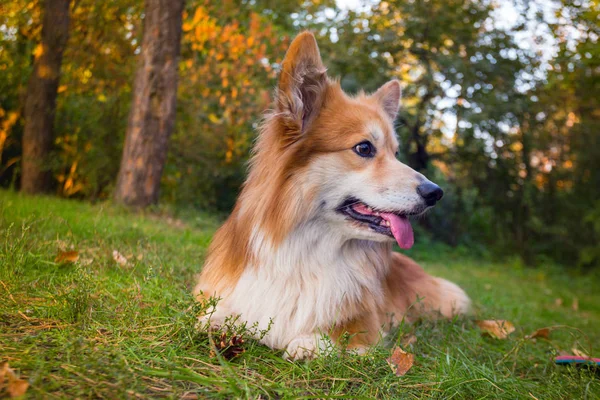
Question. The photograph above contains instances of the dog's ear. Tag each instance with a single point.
(302, 85)
(389, 97)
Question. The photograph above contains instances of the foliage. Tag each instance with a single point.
(229, 57)
(511, 138)
(502, 113)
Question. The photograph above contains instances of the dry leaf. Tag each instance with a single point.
(119, 258)
(540, 333)
(67, 257)
(14, 387)
(400, 361)
(499, 329)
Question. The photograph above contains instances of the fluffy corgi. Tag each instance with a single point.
(308, 246)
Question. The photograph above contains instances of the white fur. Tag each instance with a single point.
(454, 300)
(302, 285)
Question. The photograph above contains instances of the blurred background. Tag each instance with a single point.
(500, 105)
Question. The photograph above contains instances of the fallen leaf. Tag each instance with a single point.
(119, 258)
(67, 257)
(400, 361)
(540, 333)
(16, 387)
(499, 329)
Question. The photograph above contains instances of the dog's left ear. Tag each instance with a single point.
(389, 97)
(302, 85)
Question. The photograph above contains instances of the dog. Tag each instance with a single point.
(307, 251)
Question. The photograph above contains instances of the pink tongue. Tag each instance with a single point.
(401, 230)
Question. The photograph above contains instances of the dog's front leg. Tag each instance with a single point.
(308, 346)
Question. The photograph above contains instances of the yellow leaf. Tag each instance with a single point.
(400, 361)
(213, 118)
(62, 88)
(38, 51)
(499, 329)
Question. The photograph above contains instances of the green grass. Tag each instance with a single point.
(96, 329)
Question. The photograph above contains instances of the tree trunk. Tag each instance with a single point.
(40, 104)
(152, 114)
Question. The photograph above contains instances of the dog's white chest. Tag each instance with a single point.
(300, 287)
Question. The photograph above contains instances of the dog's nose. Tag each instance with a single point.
(430, 192)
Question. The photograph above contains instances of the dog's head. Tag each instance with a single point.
(342, 150)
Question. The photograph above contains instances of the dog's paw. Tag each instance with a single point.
(454, 300)
(210, 321)
(306, 347)
(358, 350)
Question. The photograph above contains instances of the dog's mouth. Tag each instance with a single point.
(390, 223)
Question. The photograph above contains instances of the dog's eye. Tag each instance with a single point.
(365, 149)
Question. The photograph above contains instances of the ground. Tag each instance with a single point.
(105, 328)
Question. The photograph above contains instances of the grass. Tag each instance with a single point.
(98, 329)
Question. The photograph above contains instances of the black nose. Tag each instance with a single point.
(430, 192)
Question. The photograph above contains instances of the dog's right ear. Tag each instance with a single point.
(302, 86)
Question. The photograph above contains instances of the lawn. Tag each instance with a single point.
(101, 328)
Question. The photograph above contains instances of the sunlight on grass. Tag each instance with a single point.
(96, 328)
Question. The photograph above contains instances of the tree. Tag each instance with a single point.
(152, 115)
(460, 77)
(42, 89)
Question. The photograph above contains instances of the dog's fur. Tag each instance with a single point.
(287, 255)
